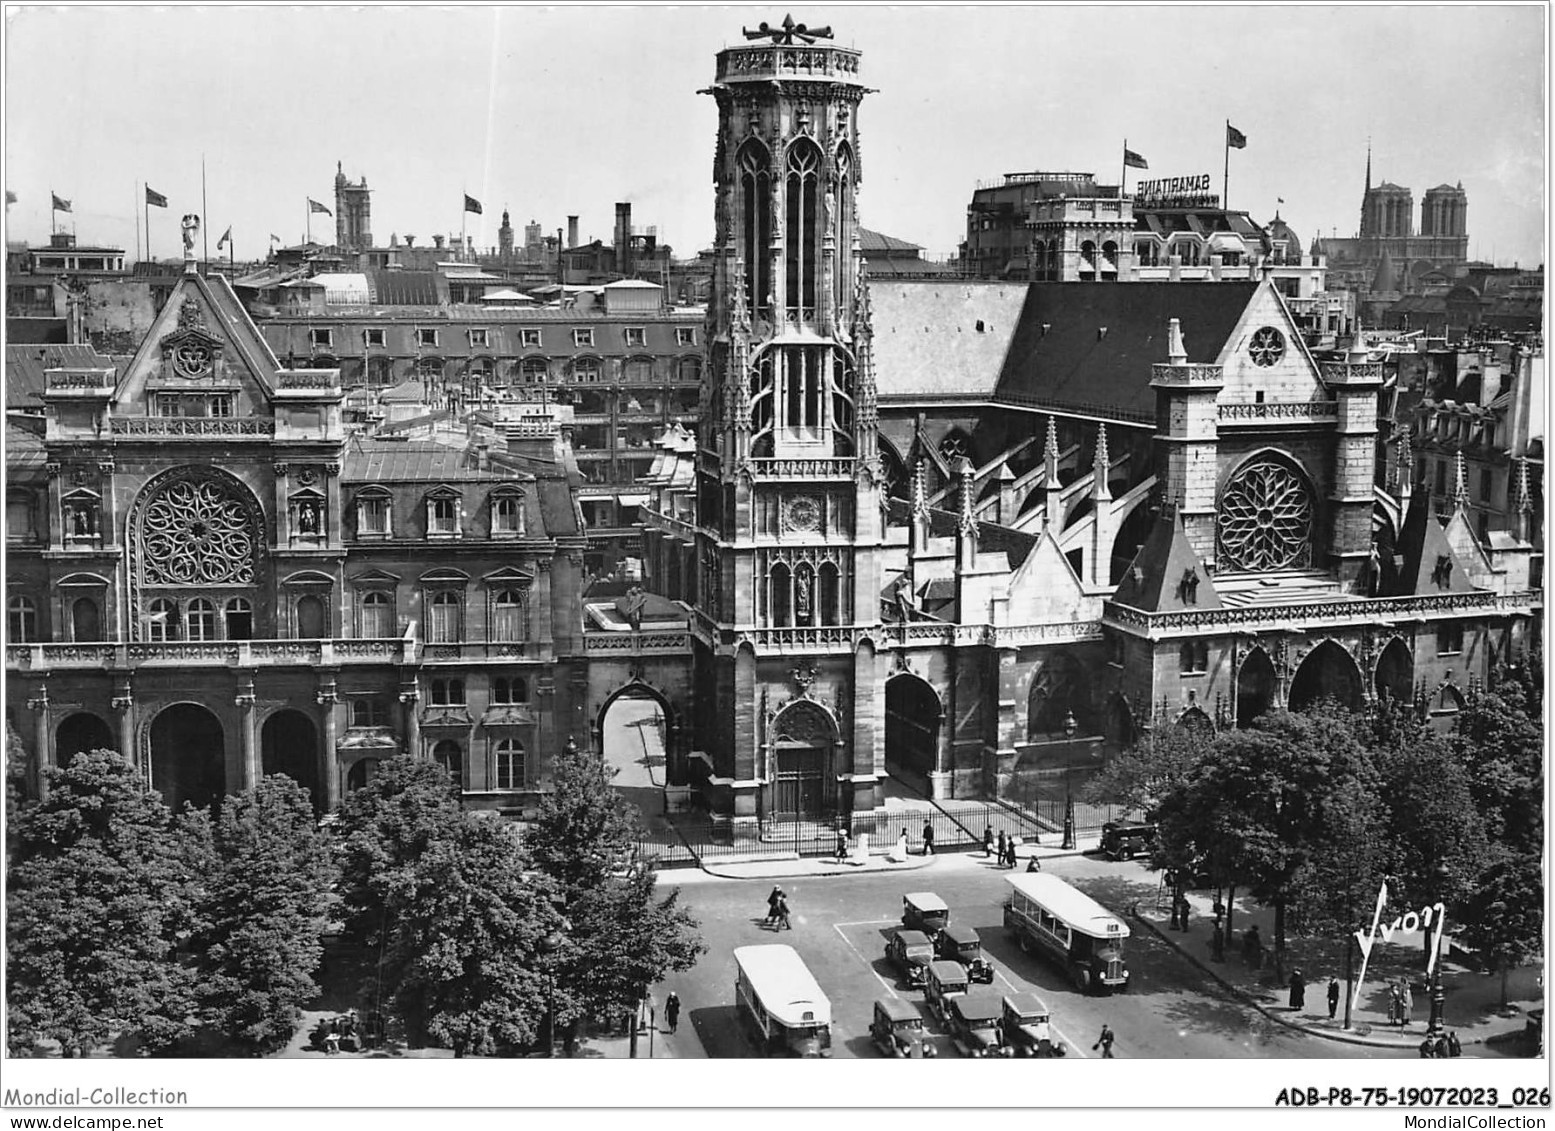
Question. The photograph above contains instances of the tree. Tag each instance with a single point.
(468, 956)
(96, 898)
(1503, 917)
(1499, 737)
(261, 912)
(1142, 775)
(585, 830)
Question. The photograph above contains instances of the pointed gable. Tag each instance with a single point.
(1166, 575)
(1428, 563)
(1044, 588)
(1253, 360)
(1465, 544)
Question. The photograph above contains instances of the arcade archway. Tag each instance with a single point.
(913, 717)
(633, 734)
(1327, 672)
(1255, 687)
(188, 756)
(1395, 678)
(804, 736)
(82, 731)
(289, 744)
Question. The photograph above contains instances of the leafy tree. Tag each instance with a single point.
(585, 831)
(262, 909)
(1499, 737)
(1503, 917)
(15, 784)
(468, 953)
(96, 898)
(1143, 775)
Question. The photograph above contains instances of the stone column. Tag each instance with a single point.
(244, 701)
(410, 696)
(329, 772)
(124, 703)
(43, 747)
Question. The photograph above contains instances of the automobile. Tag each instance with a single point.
(924, 911)
(942, 983)
(1028, 1027)
(960, 943)
(910, 952)
(1124, 840)
(974, 1023)
(897, 1030)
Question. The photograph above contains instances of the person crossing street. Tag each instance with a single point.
(1104, 1042)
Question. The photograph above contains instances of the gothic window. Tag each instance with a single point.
(1265, 518)
(161, 619)
(831, 594)
(781, 585)
(842, 229)
(755, 219)
(448, 693)
(239, 615)
(507, 514)
(450, 756)
(507, 692)
(377, 615)
(1267, 346)
(373, 513)
(510, 764)
(196, 530)
(842, 404)
(802, 243)
(507, 615)
(445, 617)
(761, 392)
(201, 620)
(22, 620)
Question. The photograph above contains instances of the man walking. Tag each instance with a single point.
(672, 1010)
(782, 913)
(772, 905)
(988, 841)
(1104, 1042)
(1000, 857)
(1333, 997)
(928, 838)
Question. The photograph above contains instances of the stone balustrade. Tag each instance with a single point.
(209, 653)
(1303, 615)
(231, 427)
(1286, 412)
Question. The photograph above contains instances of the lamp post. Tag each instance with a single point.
(1436, 1025)
(1070, 726)
(549, 945)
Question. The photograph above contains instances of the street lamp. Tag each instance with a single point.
(549, 945)
(1070, 726)
(1438, 995)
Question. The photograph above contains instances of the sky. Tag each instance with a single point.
(568, 109)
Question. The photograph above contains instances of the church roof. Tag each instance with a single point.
(869, 241)
(1428, 564)
(1089, 348)
(991, 537)
(1157, 579)
(946, 338)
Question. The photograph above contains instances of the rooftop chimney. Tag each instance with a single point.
(624, 238)
(572, 231)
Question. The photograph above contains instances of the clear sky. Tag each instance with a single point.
(561, 110)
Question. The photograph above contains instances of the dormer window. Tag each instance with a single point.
(443, 514)
(685, 335)
(480, 338)
(507, 515)
(321, 337)
(583, 336)
(636, 336)
(374, 513)
(426, 337)
(373, 336)
(529, 338)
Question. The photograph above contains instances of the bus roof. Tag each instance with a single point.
(788, 990)
(1077, 910)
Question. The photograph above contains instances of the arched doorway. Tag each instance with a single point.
(803, 738)
(82, 731)
(633, 735)
(1255, 687)
(1395, 678)
(1328, 672)
(188, 756)
(913, 717)
(289, 744)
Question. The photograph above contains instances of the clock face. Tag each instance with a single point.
(804, 513)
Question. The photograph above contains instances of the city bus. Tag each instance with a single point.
(1048, 916)
(780, 1003)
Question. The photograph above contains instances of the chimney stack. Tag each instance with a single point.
(624, 238)
(572, 231)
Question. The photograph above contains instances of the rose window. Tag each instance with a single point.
(197, 531)
(1267, 346)
(1265, 518)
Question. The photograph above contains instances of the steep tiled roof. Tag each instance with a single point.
(370, 461)
(23, 452)
(25, 364)
(869, 241)
(557, 509)
(404, 288)
(1154, 580)
(1060, 358)
(942, 338)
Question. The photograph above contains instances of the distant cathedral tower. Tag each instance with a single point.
(353, 213)
(788, 474)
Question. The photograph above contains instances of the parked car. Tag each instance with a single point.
(924, 911)
(943, 982)
(910, 952)
(960, 943)
(1124, 840)
(973, 1021)
(897, 1030)
(1028, 1027)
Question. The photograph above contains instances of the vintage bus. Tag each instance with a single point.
(780, 1003)
(1048, 916)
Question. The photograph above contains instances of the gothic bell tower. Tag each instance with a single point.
(789, 481)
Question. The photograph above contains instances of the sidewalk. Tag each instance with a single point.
(1472, 999)
(799, 867)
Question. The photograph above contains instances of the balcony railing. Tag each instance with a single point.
(636, 643)
(79, 380)
(1304, 614)
(193, 426)
(747, 63)
(1285, 412)
(209, 653)
(803, 468)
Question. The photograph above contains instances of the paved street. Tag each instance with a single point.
(841, 924)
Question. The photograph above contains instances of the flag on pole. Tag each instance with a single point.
(225, 238)
(154, 198)
(471, 204)
(1235, 138)
(274, 238)
(315, 206)
(60, 203)
(1132, 160)
(10, 197)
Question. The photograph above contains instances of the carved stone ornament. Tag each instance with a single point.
(804, 723)
(308, 476)
(196, 530)
(803, 514)
(804, 676)
(1265, 518)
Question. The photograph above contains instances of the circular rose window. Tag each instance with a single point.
(1267, 346)
(1265, 518)
(196, 531)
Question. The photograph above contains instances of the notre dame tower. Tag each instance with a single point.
(789, 704)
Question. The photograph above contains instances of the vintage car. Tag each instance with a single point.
(959, 943)
(924, 911)
(1028, 1027)
(973, 1022)
(897, 1029)
(1124, 840)
(910, 952)
(942, 983)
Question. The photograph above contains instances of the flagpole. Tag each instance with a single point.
(464, 218)
(145, 202)
(1225, 184)
(307, 220)
(137, 230)
(1123, 177)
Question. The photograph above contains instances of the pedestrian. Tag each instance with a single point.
(1395, 1005)
(928, 838)
(1454, 1048)
(1408, 996)
(988, 841)
(772, 905)
(1252, 947)
(1298, 990)
(1104, 1042)
(782, 913)
(1441, 1047)
(672, 1010)
(842, 845)
(1333, 997)
(1033, 864)
(1427, 1049)
(1000, 857)
(1010, 856)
